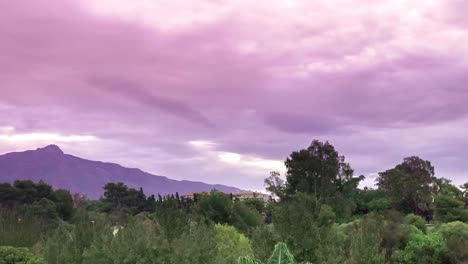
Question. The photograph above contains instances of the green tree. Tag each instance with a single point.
(365, 239)
(331, 245)
(264, 238)
(216, 207)
(256, 204)
(196, 246)
(394, 233)
(445, 187)
(296, 222)
(319, 170)
(30, 192)
(63, 203)
(115, 194)
(370, 200)
(449, 209)
(280, 255)
(172, 220)
(275, 185)
(44, 210)
(244, 218)
(464, 188)
(9, 196)
(410, 186)
(231, 244)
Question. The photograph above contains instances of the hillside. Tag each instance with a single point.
(88, 177)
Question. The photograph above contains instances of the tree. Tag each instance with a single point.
(319, 170)
(410, 186)
(9, 196)
(230, 244)
(449, 209)
(264, 238)
(280, 255)
(216, 207)
(63, 202)
(244, 218)
(445, 187)
(196, 246)
(44, 209)
(173, 221)
(369, 200)
(365, 239)
(464, 187)
(256, 204)
(275, 185)
(394, 233)
(296, 220)
(115, 194)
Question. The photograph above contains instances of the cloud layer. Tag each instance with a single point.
(250, 82)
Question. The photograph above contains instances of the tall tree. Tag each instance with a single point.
(63, 202)
(115, 194)
(319, 169)
(410, 186)
(464, 187)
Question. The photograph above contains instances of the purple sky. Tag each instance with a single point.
(222, 91)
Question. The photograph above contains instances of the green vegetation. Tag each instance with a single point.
(12, 255)
(318, 215)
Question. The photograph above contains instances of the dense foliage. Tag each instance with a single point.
(318, 215)
(12, 255)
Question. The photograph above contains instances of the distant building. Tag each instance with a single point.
(250, 195)
(191, 195)
(241, 196)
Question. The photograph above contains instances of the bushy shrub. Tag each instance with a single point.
(12, 255)
(424, 249)
(68, 242)
(416, 221)
(139, 242)
(456, 236)
(19, 230)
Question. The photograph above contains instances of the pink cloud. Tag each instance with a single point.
(259, 79)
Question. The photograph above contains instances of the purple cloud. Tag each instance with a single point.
(380, 80)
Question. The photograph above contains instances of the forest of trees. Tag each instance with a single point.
(317, 214)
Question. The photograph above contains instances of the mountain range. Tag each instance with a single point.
(88, 177)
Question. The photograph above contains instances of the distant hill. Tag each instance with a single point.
(88, 177)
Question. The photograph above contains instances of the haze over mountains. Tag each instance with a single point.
(88, 177)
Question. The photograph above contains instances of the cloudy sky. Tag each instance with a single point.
(222, 91)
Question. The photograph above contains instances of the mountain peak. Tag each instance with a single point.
(88, 177)
(51, 149)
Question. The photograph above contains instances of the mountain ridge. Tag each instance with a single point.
(88, 177)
